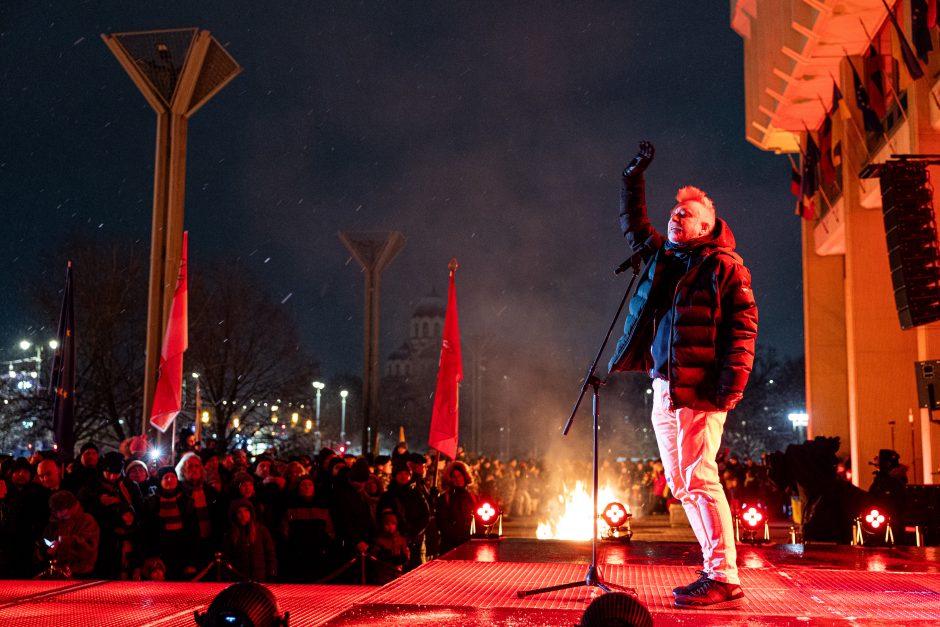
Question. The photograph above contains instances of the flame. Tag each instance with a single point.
(575, 522)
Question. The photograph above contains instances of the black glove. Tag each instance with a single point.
(642, 160)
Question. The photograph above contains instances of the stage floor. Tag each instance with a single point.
(477, 583)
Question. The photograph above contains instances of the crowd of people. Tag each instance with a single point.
(220, 514)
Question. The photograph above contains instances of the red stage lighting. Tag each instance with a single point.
(615, 515)
(873, 526)
(486, 517)
(875, 520)
(618, 521)
(751, 523)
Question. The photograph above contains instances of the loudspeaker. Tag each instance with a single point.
(928, 384)
(911, 234)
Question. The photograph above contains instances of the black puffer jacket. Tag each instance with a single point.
(714, 313)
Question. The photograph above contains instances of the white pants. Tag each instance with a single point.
(688, 445)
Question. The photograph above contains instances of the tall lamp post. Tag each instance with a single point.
(177, 71)
(342, 421)
(319, 386)
(800, 422)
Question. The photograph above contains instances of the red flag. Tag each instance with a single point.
(167, 400)
(444, 425)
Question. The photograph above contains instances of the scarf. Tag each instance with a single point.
(170, 517)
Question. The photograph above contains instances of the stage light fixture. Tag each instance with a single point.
(616, 608)
(487, 521)
(873, 527)
(618, 521)
(751, 524)
(243, 604)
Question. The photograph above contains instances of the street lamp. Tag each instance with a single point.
(800, 422)
(319, 386)
(25, 344)
(54, 344)
(342, 423)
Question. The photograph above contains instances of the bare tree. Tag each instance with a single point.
(246, 350)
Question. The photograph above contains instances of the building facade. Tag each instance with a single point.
(800, 56)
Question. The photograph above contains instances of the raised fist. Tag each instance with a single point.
(642, 160)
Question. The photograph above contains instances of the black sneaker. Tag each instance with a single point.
(710, 594)
(702, 576)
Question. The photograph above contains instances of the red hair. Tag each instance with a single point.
(690, 192)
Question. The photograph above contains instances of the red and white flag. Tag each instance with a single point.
(444, 425)
(167, 401)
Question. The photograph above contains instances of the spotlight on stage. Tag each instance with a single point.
(616, 608)
(243, 604)
(751, 524)
(618, 522)
(487, 521)
(873, 527)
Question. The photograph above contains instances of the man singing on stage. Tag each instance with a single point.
(692, 325)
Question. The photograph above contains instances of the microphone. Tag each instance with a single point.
(634, 260)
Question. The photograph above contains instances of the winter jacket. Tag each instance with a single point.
(77, 537)
(714, 316)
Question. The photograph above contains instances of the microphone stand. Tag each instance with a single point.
(593, 577)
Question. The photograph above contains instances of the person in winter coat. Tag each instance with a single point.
(455, 506)
(410, 507)
(248, 544)
(71, 537)
(692, 324)
(309, 538)
(110, 499)
(163, 533)
(390, 549)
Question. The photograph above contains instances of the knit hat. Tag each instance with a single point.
(113, 462)
(62, 500)
(359, 471)
(399, 465)
(165, 470)
(21, 463)
(88, 445)
(136, 462)
(237, 504)
(417, 458)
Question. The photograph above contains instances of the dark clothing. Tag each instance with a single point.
(255, 558)
(108, 503)
(204, 522)
(351, 516)
(23, 512)
(712, 311)
(409, 507)
(309, 545)
(454, 517)
(413, 513)
(163, 534)
(77, 539)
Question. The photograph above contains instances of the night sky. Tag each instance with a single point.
(493, 132)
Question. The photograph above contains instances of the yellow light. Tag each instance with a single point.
(205, 417)
(236, 422)
(308, 425)
(274, 418)
(294, 418)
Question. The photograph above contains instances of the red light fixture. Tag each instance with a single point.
(617, 518)
(873, 527)
(751, 523)
(487, 520)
